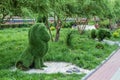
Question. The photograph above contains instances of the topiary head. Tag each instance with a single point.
(38, 33)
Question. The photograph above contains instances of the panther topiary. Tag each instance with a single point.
(33, 55)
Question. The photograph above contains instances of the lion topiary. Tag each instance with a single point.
(33, 55)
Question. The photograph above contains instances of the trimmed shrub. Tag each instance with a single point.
(103, 33)
(108, 34)
(116, 33)
(93, 34)
(52, 28)
(73, 39)
(2, 26)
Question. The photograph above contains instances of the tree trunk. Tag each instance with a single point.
(96, 23)
(54, 20)
(82, 26)
(48, 27)
(58, 27)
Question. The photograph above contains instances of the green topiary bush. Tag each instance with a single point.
(103, 33)
(52, 28)
(108, 34)
(74, 40)
(93, 34)
(33, 55)
(116, 33)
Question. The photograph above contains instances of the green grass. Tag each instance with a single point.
(18, 75)
(84, 54)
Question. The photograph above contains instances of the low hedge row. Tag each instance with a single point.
(2, 26)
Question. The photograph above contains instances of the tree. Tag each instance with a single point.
(4, 10)
(116, 9)
(9, 8)
(57, 7)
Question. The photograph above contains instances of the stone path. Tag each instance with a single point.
(112, 42)
(58, 67)
(110, 70)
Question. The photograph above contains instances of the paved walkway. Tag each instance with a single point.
(110, 70)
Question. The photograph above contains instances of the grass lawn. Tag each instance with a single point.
(83, 53)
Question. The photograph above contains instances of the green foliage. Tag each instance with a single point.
(68, 24)
(82, 53)
(116, 33)
(27, 12)
(100, 34)
(108, 34)
(103, 33)
(68, 38)
(41, 19)
(18, 75)
(37, 48)
(104, 23)
(99, 46)
(93, 34)
(52, 28)
(14, 25)
(73, 39)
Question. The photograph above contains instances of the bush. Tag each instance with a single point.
(52, 28)
(14, 25)
(73, 39)
(93, 34)
(68, 24)
(116, 33)
(108, 34)
(103, 33)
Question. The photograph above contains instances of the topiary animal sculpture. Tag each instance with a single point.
(33, 55)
